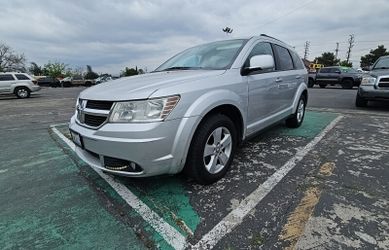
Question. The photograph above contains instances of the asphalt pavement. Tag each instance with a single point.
(321, 186)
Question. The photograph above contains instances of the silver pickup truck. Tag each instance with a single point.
(375, 84)
(193, 111)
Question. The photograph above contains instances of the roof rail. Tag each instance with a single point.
(271, 37)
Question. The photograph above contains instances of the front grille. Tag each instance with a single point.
(102, 105)
(93, 113)
(94, 120)
(121, 165)
(384, 83)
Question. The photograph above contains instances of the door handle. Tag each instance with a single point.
(298, 77)
(278, 79)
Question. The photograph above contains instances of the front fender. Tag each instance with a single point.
(210, 100)
(195, 113)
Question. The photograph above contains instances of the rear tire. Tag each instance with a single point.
(22, 92)
(297, 118)
(212, 149)
(311, 83)
(360, 101)
(347, 84)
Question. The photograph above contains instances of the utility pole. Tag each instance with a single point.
(306, 49)
(336, 50)
(351, 42)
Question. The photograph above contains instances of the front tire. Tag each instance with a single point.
(360, 101)
(347, 84)
(212, 149)
(297, 118)
(22, 92)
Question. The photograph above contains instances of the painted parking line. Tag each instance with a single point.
(169, 233)
(236, 216)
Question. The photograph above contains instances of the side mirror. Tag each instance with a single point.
(259, 62)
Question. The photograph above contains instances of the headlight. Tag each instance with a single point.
(368, 81)
(151, 110)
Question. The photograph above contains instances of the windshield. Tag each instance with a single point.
(382, 63)
(216, 55)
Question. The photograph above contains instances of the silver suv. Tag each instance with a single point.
(20, 84)
(192, 112)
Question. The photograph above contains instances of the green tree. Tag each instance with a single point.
(89, 73)
(327, 59)
(54, 69)
(35, 70)
(346, 64)
(368, 59)
(11, 61)
(129, 72)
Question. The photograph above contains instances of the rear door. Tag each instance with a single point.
(334, 75)
(6, 80)
(323, 76)
(287, 78)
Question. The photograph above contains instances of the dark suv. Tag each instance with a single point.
(346, 77)
(375, 84)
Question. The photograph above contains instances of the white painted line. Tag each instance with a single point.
(169, 233)
(64, 138)
(235, 217)
(59, 124)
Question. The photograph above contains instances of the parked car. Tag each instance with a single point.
(19, 84)
(76, 81)
(104, 78)
(193, 111)
(375, 84)
(344, 76)
(48, 81)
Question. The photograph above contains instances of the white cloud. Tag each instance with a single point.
(112, 34)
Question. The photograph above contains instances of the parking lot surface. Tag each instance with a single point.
(321, 186)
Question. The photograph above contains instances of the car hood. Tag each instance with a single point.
(378, 73)
(143, 86)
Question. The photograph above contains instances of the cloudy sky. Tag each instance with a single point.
(112, 34)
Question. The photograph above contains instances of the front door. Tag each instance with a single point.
(263, 91)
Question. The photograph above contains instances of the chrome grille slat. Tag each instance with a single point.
(93, 114)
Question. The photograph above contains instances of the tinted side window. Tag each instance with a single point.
(298, 64)
(324, 70)
(260, 49)
(284, 61)
(334, 70)
(6, 77)
(21, 77)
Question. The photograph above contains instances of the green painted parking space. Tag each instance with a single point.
(168, 196)
(52, 199)
(46, 203)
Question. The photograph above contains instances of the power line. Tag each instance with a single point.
(286, 13)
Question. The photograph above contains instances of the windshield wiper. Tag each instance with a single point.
(382, 68)
(180, 68)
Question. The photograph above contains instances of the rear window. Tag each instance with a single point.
(284, 61)
(298, 64)
(6, 77)
(21, 77)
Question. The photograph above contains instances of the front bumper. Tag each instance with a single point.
(158, 148)
(373, 93)
(35, 88)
